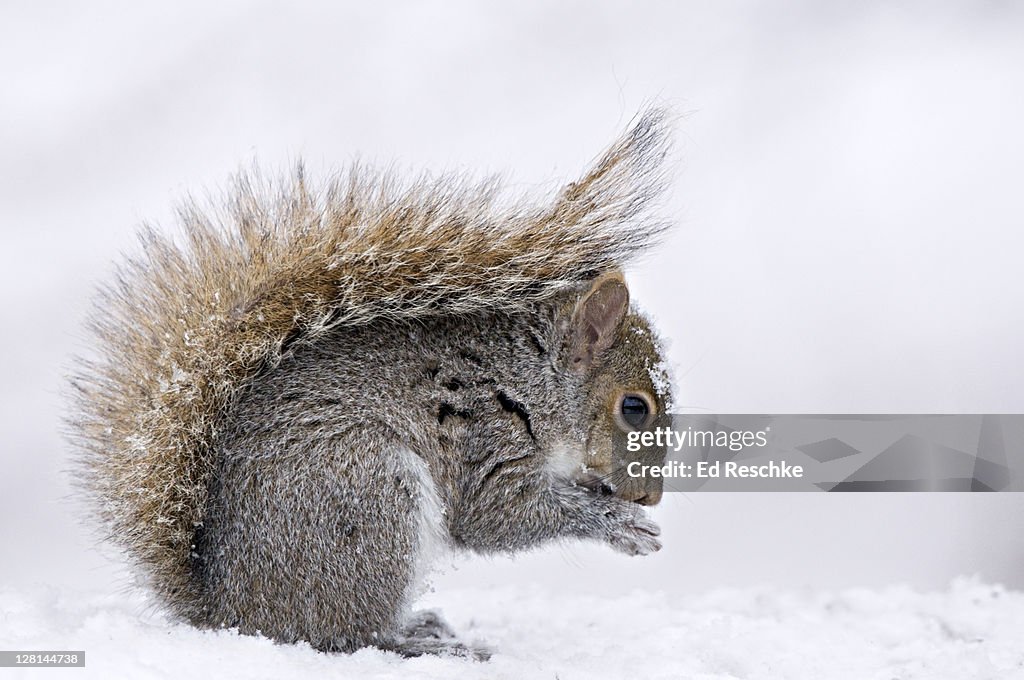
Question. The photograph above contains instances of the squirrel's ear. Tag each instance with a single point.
(596, 319)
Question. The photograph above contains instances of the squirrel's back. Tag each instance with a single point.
(188, 325)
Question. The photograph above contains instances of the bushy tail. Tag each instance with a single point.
(186, 324)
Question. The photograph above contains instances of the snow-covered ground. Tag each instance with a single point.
(970, 631)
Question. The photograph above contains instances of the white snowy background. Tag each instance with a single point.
(848, 197)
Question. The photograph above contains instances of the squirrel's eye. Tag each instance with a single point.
(634, 409)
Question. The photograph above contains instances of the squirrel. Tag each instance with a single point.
(293, 407)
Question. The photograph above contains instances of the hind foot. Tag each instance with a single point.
(425, 632)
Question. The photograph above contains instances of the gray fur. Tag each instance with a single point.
(311, 532)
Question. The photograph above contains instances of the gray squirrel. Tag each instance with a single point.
(291, 408)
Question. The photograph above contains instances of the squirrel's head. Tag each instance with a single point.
(612, 348)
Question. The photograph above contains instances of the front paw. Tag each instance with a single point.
(631, 531)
